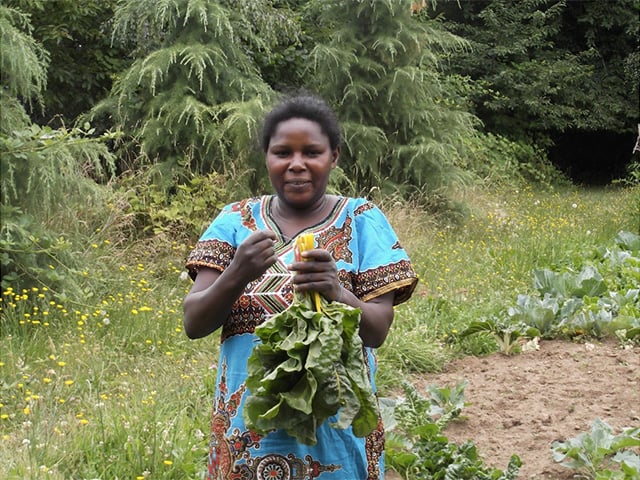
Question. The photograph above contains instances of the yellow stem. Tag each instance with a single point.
(303, 243)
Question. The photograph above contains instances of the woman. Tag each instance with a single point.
(244, 271)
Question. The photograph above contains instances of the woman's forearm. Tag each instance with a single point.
(208, 304)
(375, 319)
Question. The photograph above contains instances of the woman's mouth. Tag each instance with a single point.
(298, 183)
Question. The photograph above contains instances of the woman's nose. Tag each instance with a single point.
(297, 161)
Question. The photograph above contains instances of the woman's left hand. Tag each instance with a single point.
(317, 272)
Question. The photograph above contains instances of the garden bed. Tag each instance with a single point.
(521, 404)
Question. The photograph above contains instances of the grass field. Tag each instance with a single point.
(112, 388)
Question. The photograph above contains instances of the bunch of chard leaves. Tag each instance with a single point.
(309, 367)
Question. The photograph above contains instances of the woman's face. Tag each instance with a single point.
(299, 161)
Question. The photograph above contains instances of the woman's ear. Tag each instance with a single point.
(335, 155)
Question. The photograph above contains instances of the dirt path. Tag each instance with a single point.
(521, 404)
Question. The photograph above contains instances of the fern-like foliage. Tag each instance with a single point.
(379, 64)
(42, 168)
(194, 97)
(47, 176)
(24, 67)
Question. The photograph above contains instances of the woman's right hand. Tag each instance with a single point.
(255, 255)
(213, 293)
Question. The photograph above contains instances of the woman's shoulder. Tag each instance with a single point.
(249, 201)
(356, 202)
(362, 206)
(237, 213)
(244, 205)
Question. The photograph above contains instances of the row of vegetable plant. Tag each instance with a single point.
(595, 294)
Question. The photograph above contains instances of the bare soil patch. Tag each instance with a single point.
(521, 404)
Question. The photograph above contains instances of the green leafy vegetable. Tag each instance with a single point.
(309, 367)
(601, 454)
(508, 336)
(417, 447)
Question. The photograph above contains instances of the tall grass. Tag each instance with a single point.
(110, 387)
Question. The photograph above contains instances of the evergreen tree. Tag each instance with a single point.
(24, 69)
(194, 97)
(77, 38)
(44, 186)
(545, 66)
(379, 64)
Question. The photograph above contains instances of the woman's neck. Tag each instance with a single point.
(294, 220)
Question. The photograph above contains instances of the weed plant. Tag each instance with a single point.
(106, 385)
(418, 449)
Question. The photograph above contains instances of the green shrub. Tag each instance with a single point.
(30, 254)
(51, 202)
(175, 208)
(499, 161)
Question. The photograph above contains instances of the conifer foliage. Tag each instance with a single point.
(45, 174)
(24, 68)
(379, 64)
(194, 95)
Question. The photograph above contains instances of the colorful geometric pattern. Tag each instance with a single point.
(272, 290)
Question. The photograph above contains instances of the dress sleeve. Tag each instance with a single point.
(384, 265)
(217, 245)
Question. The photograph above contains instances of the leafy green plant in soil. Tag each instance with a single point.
(595, 296)
(446, 403)
(418, 450)
(509, 337)
(600, 454)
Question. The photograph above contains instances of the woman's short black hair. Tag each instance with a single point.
(307, 106)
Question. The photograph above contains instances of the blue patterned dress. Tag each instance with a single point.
(370, 263)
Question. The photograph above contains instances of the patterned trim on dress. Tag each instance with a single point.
(265, 212)
(336, 241)
(363, 208)
(378, 281)
(375, 441)
(209, 253)
(374, 446)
